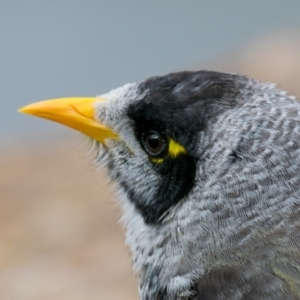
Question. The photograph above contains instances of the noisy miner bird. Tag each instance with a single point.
(207, 166)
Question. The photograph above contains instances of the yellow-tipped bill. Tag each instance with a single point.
(77, 113)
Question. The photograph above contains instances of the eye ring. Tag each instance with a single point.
(153, 143)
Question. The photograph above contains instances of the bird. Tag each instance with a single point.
(207, 170)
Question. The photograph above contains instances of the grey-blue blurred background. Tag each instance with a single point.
(59, 237)
(71, 47)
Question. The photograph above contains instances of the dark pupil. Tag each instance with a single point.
(154, 142)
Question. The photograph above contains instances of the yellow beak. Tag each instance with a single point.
(77, 113)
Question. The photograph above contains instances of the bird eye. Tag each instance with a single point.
(154, 143)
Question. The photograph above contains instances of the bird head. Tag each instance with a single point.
(186, 151)
(148, 133)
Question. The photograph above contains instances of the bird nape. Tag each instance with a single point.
(207, 166)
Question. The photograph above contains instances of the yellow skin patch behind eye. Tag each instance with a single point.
(174, 150)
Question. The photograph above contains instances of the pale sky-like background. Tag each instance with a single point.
(62, 48)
